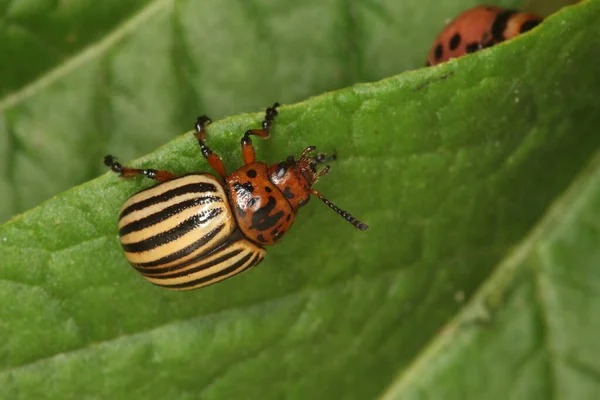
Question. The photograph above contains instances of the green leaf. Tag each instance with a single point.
(128, 76)
(451, 174)
(532, 330)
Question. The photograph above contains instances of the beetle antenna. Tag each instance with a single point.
(344, 214)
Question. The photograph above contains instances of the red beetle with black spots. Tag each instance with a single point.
(196, 229)
(478, 28)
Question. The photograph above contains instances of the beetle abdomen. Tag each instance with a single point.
(172, 226)
(232, 257)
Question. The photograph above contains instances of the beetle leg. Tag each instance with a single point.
(307, 151)
(319, 158)
(263, 133)
(125, 172)
(213, 159)
(323, 172)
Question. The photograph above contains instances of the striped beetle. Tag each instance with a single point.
(194, 230)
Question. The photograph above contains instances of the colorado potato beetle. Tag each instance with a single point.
(478, 28)
(196, 229)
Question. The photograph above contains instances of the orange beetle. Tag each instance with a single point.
(197, 229)
(478, 28)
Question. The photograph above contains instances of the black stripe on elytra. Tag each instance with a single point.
(172, 234)
(219, 274)
(499, 24)
(177, 273)
(142, 267)
(258, 258)
(166, 213)
(176, 267)
(168, 195)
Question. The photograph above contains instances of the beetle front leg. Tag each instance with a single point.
(125, 172)
(213, 159)
(247, 149)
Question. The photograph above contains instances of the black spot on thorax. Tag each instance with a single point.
(278, 236)
(277, 233)
(262, 218)
(455, 41)
(243, 188)
(473, 47)
(251, 173)
(288, 193)
(438, 52)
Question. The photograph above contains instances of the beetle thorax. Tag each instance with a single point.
(262, 211)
